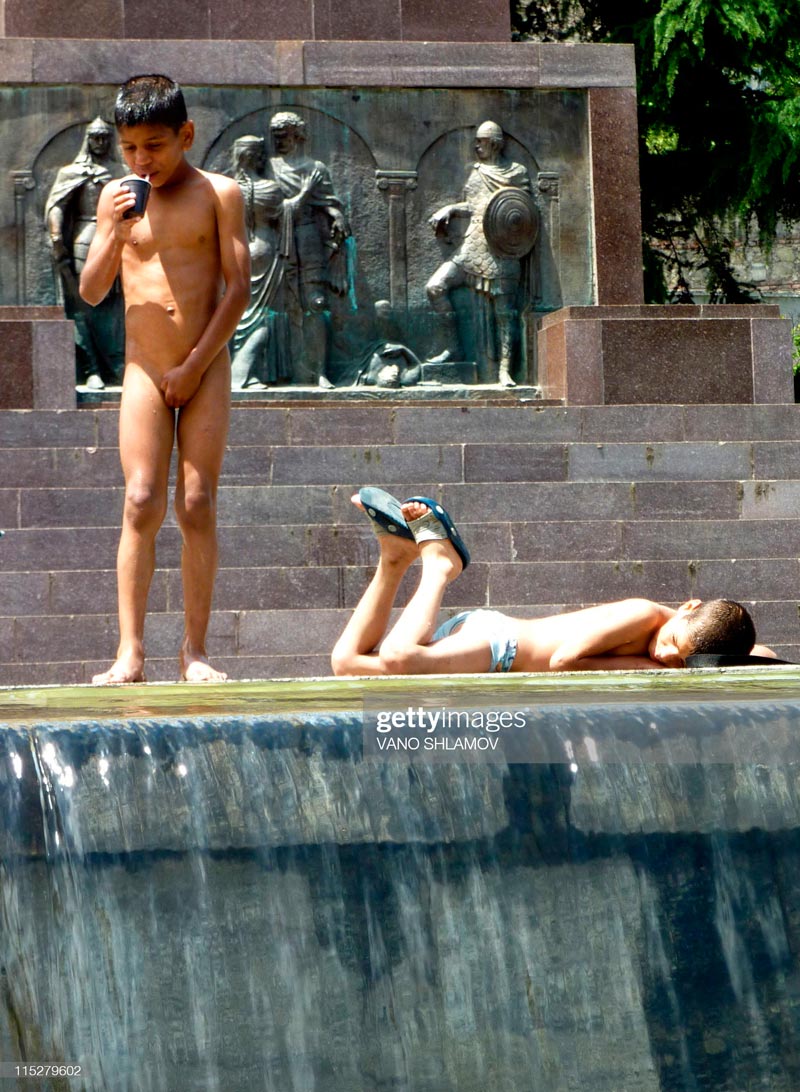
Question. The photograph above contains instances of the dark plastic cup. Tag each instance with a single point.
(140, 188)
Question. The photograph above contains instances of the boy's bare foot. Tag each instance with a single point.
(195, 668)
(439, 551)
(127, 668)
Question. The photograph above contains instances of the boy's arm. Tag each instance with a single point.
(105, 252)
(181, 382)
(593, 643)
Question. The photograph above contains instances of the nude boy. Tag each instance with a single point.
(627, 635)
(175, 262)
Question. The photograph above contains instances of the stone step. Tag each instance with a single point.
(246, 644)
(573, 461)
(399, 423)
(505, 585)
(651, 500)
(62, 550)
(493, 502)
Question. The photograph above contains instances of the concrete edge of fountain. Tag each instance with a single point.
(26, 704)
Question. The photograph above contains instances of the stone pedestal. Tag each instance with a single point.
(37, 357)
(638, 354)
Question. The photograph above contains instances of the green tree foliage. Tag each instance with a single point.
(719, 117)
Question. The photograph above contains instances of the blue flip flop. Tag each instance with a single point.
(384, 512)
(440, 516)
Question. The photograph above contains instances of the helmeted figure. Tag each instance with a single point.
(489, 268)
(71, 221)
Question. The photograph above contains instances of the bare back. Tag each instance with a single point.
(611, 630)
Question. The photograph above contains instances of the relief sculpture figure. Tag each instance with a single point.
(261, 345)
(313, 233)
(71, 222)
(503, 222)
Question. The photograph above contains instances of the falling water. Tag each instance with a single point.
(247, 902)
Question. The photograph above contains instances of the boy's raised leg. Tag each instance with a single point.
(354, 652)
(146, 431)
(406, 649)
(202, 432)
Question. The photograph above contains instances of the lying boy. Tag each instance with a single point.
(174, 261)
(631, 634)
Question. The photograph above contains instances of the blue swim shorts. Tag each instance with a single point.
(491, 624)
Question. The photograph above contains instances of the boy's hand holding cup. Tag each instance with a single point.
(140, 188)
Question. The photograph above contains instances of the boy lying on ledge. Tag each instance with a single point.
(627, 635)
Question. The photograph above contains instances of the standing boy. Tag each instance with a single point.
(174, 262)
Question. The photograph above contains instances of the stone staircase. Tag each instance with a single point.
(561, 507)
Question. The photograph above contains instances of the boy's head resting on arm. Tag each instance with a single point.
(150, 100)
(719, 626)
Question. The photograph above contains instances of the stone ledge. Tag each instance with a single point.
(38, 352)
(622, 355)
(333, 63)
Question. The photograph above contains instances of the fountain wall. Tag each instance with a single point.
(244, 900)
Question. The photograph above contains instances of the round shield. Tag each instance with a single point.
(511, 223)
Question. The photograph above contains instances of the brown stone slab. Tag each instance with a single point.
(189, 62)
(636, 462)
(590, 582)
(422, 64)
(687, 500)
(38, 369)
(16, 60)
(46, 428)
(340, 425)
(770, 499)
(24, 593)
(366, 465)
(46, 19)
(289, 632)
(515, 462)
(673, 312)
(584, 371)
(567, 540)
(648, 423)
(746, 579)
(585, 65)
(53, 365)
(154, 19)
(16, 374)
(615, 189)
(772, 360)
(672, 361)
(354, 20)
(279, 58)
(272, 19)
(466, 20)
(743, 538)
(527, 501)
(8, 314)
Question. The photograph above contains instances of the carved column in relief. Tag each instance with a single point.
(396, 185)
(23, 183)
(548, 185)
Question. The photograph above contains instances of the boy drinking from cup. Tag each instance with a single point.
(174, 261)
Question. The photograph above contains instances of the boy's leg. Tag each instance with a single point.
(406, 649)
(202, 432)
(354, 652)
(146, 431)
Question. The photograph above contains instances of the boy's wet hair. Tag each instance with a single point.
(721, 626)
(150, 100)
